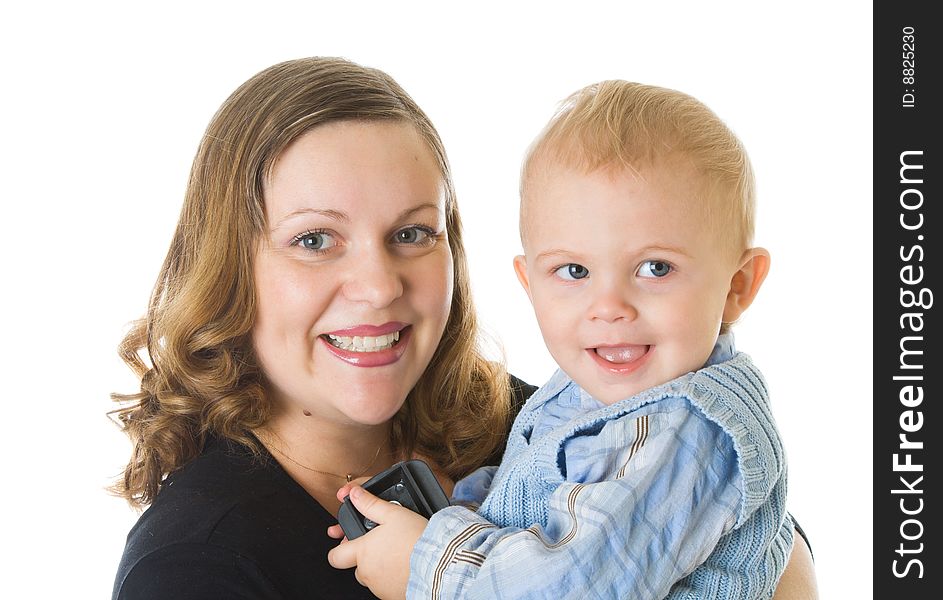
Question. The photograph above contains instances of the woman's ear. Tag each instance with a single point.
(746, 282)
(520, 267)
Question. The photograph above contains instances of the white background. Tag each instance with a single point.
(103, 107)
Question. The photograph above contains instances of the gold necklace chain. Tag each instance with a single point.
(349, 476)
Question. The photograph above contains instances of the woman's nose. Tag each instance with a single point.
(611, 302)
(374, 278)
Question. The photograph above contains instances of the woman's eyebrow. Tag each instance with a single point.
(410, 211)
(341, 216)
(330, 213)
(337, 215)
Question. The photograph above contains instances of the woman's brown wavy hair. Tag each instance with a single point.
(193, 349)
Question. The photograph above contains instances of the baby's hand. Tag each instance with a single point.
(381, 556)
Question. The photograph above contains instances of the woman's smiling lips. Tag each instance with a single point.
(621, 359)
(369, 345)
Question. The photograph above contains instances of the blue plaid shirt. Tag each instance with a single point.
(677, 492)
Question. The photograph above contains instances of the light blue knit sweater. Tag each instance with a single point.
(682, 484)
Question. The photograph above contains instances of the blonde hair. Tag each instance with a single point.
(203, 378)
(624, 125)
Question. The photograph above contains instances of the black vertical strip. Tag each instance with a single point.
(908, 370)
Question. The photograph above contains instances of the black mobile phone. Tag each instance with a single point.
(410, 483)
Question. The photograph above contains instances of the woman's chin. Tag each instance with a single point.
(373, 412)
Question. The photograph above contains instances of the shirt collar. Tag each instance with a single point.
(724, 349)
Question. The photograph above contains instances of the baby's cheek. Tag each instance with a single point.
(558, 333)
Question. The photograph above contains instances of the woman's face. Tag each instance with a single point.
(353, 273)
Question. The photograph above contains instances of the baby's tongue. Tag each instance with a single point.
(622, 354)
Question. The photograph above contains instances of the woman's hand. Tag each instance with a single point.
(381, 556)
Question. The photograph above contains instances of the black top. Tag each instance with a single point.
(231, 524)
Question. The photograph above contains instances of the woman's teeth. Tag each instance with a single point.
(364, 343)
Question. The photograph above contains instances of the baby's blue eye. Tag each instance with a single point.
(654, 268)
(315, 240)
(572, 271)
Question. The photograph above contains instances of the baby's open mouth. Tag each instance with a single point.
(363, 343)
(621, 354)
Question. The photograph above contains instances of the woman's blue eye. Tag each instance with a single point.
(315, 240)
(654, 268)
(412, 235)
(572, 271)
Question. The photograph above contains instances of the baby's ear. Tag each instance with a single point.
(746, 282)
(520, 267)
